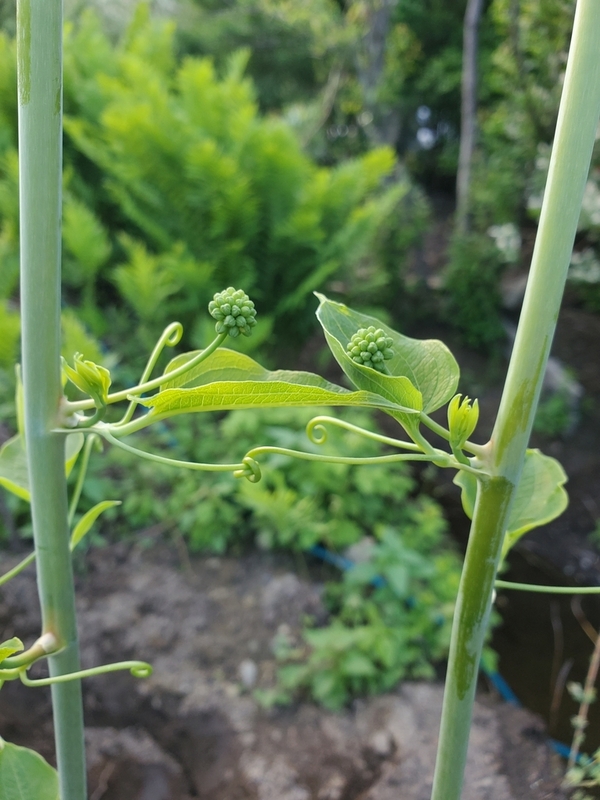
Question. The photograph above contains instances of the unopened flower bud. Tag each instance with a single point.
(234, 312)
(370, 347)
(91, 378)
(462, 419)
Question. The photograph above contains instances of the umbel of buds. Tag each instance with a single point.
(370, 347)
(234, 312)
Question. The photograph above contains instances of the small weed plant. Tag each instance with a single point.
(507, 489)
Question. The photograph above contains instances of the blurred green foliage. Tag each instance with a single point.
(176, 186)
(390, 619)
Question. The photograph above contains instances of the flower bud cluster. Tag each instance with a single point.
(234, 312)
(370, 347)
(463, 414)
(91, 378)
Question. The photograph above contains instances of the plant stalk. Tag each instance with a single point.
(569, 167)
(39, 54)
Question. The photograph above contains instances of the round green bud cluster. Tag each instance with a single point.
(371, 347)
(234, 312)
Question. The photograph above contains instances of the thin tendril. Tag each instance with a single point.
(171, 462)
(125, 394)
(534, 587)
(139, 669)
(317, 433)
(284, 451)
(170, 337)
(19, 568)
(85, 458)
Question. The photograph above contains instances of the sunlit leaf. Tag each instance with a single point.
(88, 519)
(290, 389)
(9, 647)
(13, 463)
(423, 373)
(24, 775)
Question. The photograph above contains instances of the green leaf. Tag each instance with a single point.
(423, 374)
(9, 647)
(13, 463)
(468, 484)
(13, 468)
(229, 380)
(24, 775)
(541, 496)
(88, 519)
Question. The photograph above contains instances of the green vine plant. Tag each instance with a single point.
(408, 379)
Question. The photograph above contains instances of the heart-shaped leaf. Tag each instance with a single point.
(423, 373)
(541, 496)
(24, 775)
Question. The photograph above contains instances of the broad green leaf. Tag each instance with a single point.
(541, 496)
(292, 389)
(423, 374)
(9, 647)
(222, 365)
(25, 775)
(13, 463)
(88, 519)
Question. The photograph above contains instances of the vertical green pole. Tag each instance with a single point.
(569, 167)
(39, 53)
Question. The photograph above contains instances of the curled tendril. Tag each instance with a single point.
(251, 470)
(317, 433)
(139, 669)
(171, 335)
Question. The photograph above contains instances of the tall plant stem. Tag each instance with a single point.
(39, 53)
(569, 167)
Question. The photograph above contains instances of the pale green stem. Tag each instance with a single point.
(39, 53)
(156, 383)
(569, 167)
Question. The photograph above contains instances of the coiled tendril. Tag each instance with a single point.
(251, 470)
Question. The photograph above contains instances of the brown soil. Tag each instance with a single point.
(193, 730)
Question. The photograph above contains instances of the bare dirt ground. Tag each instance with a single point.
(193, 730)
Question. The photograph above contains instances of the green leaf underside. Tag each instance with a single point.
(228, 395)
(423, 373)
(541, 496)
(88, 519)
(8, 648)
(24, 775)
(13, 463)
